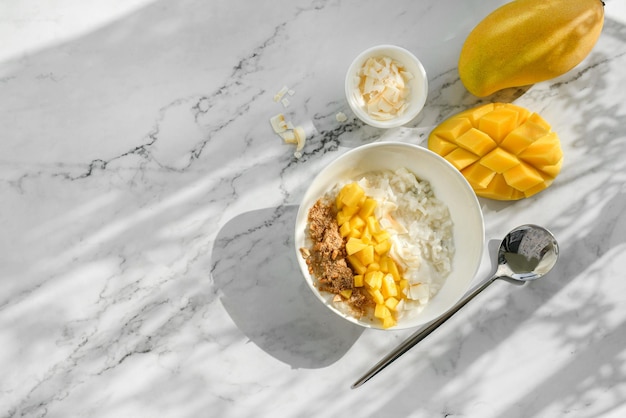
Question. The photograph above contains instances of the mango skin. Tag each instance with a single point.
(529, 41)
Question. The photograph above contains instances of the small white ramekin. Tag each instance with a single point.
(418, 85)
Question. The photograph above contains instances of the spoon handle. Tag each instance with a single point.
(420, 335)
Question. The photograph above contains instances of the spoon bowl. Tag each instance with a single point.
(526, 253)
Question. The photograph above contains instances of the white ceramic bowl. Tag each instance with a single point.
(448, 185)
(418, 85)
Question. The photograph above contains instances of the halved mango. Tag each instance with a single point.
(506, 153)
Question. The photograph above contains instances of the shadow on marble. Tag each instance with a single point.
(568, 304)
(262, 289)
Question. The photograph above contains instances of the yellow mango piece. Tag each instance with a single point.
(478, 175)
(403, 284)
(522, 177)
(453, 128)
(356, 222)
(346, 293)
(352, 194)
(383, 262)
(354, 245)
(551, 171)
(373, 279)
(382, 247)
(366, 235)
(476, 141)
(527, 41)
(521, 137)
(391, 303)
(440, 146)
(376, 296)
(461, 158)
(343, 218)
(373, 266)
(475, 114)
(382, 236)
(499, 160)
(393, 269)
(498, 123)
(344, 229)
(366, 255)
(382, 311)
(356, 264)
(389, 322)
(537, 188)
(522, 113)
(544, 151)
(388, 286)
(373, 225)
(358, 280)
(367, 209)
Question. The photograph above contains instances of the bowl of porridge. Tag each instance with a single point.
(389, 235)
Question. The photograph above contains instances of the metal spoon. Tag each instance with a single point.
(528, 252)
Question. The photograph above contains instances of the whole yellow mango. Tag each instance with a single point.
(528, 41)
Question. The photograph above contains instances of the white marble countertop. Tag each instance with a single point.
(146, 255)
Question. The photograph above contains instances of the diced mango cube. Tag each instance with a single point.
(368, 207)
(382, 247)
(522, 177)
(522, 136)
(453, 128)
(388, 286)
(544, 151)
(356, 264)
(366, 235)
(499, 160)
(377, 296)
(393, 269)
(373, 225)
(475, 114)
(461, 158)
(383, 263)
(346, 293)
(352, 194)
(373, 266)
(476, 141)
(536, 118)
(381, 311)
(391, 303)
(382, 236)
(366, 255)
(498, 123)
(354, 245)
(358, 280)
(373, 279)
(356, 222)
(344, 229)
(343, 218)
(440, 146)
(389, 322)
(478, 175)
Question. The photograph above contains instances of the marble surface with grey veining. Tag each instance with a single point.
(147, 266)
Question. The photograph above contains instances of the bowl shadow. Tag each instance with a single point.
(255, 269)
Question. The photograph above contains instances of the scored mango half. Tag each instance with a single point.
(504, 151)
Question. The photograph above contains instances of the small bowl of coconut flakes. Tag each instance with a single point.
(426, 210)
(386, 86)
